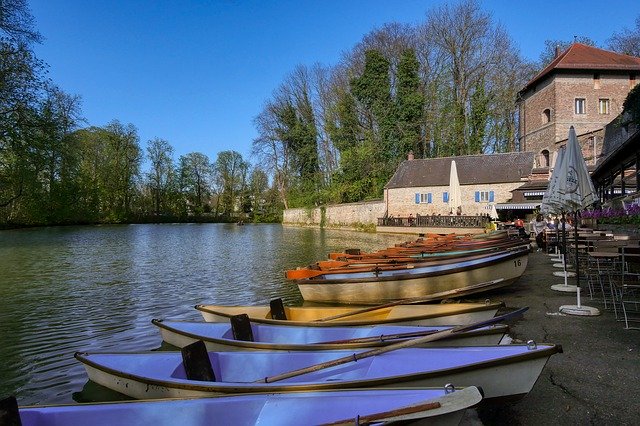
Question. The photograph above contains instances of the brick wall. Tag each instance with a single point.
(558, 95)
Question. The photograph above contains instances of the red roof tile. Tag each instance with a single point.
(582, 57)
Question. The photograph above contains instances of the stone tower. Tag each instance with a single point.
(583, 87)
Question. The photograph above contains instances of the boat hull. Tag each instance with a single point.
(434, 284)
(422, 406)
(218, 336)
(411, 315)
(486, 367)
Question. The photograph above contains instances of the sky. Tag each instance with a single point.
(196, 73)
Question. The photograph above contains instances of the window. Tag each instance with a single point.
(445, 197)
(426, 198)
(545, 158)
(580, 106)
(484, 196)
(546, 116)
(603, 106)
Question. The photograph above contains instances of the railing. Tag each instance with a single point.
(436, 221)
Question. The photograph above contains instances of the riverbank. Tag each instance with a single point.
(593, 382)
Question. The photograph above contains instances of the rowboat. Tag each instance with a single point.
(434, 246)
(504, 372)
(436, 280)
(420, 250)
(395, 257)
(421, 315)
(225, 337)
(431, 406)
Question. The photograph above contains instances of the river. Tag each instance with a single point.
(96, 288)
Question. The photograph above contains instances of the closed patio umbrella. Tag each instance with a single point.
(455, 196)
(552, 202)
(577, 192)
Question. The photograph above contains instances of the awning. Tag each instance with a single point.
(517, 206)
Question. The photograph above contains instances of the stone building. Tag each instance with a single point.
(583, 87)
(421, 186)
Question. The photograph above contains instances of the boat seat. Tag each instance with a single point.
(9, 415)
(241, 327)
(277, 309)
(196, 362)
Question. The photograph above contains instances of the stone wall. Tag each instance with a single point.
(350, 215)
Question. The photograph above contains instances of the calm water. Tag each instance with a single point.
(72, 289)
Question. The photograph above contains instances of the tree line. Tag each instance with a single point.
(328, 134)
(444, 87)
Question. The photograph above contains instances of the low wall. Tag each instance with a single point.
(350, 215)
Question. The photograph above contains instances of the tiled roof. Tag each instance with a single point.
(582, 57)
(472, 169)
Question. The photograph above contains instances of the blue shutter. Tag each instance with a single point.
(491, 196)
(477, 196)
(445, 197)
(417, 198)
(429, 200)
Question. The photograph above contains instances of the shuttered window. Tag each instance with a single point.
(485, 196)
(445, 197)
(425, 198)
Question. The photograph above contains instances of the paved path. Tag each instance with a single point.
(596, 381)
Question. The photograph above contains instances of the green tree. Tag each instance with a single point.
(230, 171)
(195, 171)
(162, 175)
(409, 106)
(123, 158)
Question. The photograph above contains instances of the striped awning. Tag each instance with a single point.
(517, 206)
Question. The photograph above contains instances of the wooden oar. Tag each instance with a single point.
(380, 338)
(377, 417)
(400, 345)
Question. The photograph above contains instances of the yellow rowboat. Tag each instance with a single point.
(398, 314)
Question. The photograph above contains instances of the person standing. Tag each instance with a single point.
(537, 227)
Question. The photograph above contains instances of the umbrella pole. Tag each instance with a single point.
(578, 309)
(564, 287)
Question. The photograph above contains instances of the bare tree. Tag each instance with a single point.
(626, 41)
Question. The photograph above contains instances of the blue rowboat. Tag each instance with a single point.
(441, 406)
(220, 336)
(503, 371)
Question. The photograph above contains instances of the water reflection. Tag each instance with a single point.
(71, 289)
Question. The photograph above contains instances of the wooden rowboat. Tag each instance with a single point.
(422, 315)
(436, 280)
(222, 336)
(505, 372)
(431, 406)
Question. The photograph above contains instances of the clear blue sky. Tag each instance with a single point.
(196, 73)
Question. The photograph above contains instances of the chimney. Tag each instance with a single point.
(557, 51)
(410, 156)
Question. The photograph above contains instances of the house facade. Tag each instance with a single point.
(421, 186)
(584, 87)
